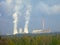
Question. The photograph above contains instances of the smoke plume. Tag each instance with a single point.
(15, 17)
(15, 14)
(27, 18)
(18, 5)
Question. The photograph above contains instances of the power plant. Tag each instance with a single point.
(43, 30)
(27, 19)
(27, 16)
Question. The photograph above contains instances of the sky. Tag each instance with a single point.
(29, 13)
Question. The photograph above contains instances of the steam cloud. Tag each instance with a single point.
(17, 11)
(27, 18)
(15, 22)
(15, 15)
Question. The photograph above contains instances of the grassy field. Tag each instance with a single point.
(30, 40)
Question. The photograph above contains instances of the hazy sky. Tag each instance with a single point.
(49, 10)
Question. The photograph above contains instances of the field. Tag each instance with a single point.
(31, 40)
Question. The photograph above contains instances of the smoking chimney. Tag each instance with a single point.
(26, 29)
(27, 18)
(17, 9)
(20, 30)
(43, 23)
(15, 23)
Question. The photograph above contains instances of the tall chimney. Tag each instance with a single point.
(26, 29)
(43, 23)
(20, 30)
(15, 23)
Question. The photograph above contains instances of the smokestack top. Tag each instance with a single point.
(43, 23)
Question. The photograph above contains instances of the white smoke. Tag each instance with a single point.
(15, 15)
(17, 11)
(27, 18)
(20, 30)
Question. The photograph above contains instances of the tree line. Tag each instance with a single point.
(31, 40)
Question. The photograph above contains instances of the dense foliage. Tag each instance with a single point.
(30, 40)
